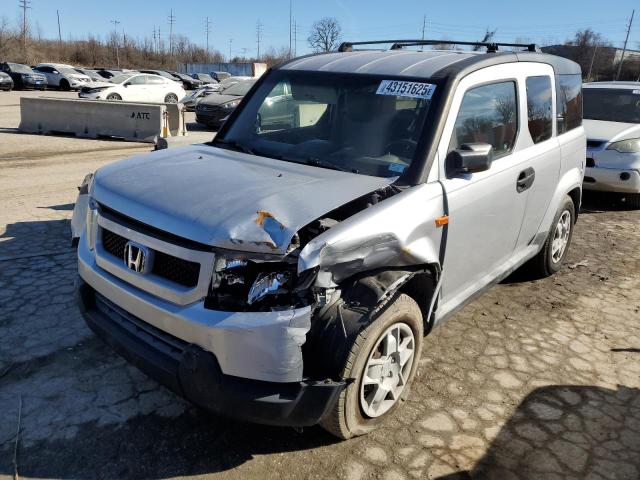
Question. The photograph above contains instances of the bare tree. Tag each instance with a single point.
(325, 35)
(486, 38)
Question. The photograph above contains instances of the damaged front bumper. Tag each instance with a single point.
(195, 373)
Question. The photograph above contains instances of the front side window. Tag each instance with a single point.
(488, 114)
(539, 108)
(138, 80)
(568, 102)
(612, 104)
(343, 122)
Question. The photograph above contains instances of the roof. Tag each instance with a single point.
(619, 85)
(425, 64)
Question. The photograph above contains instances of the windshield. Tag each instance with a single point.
(239, 89)
(355, 123)
(120, 78)
(612, 105)
(17, 68)
(66, 70)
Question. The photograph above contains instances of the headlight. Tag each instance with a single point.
(631, 145)
(268, 284)
(92, 223)
(232, 104)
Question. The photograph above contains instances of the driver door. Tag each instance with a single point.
(136, 88)
(485, 208)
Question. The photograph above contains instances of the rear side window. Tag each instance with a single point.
(568, 102)
(539, 108)
(488, 114)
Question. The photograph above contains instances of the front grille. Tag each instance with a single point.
(176, 270)
(593, 144)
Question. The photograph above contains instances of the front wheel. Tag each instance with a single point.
(556, 247)
(112, 97)
(382, 362)
(64, 85)
(171, 98)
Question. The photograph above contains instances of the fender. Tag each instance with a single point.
(397, 232)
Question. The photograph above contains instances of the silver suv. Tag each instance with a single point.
(286, 272)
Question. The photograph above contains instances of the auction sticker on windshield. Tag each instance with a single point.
(399, 88)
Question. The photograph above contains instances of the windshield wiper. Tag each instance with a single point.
(232, 144)
(317, 162)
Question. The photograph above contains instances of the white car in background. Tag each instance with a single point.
(64, 77)
(131, 87)
(612, 124)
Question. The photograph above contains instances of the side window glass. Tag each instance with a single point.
(568, 102)
(488, 114)
(137, 80)
(539, 108)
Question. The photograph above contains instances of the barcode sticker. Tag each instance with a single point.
(399, 88)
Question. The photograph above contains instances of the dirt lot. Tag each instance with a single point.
(536, 379)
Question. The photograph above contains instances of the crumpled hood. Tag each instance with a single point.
(610, 131)
(224, 198)
(99, 84)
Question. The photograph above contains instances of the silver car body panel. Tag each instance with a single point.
(261, 346)
(224, 198)
(399, 231)
(611, 164)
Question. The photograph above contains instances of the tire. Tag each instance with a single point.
(171, 98)
(64, 85)
(548, 262)
(113, 97)
(349, 417)
(632, 200)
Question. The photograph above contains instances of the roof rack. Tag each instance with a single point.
(491, 47)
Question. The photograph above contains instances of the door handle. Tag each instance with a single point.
(525, 179)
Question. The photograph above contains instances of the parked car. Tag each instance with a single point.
(92, 74)
(6, 83)
(134, 87)
(286, 273)
(213, 110)
(612, 123)
(188, 82)
(205, 78)
(191, 99)
(23, 76)
(220, 76)
(164, 74)
(62, 76)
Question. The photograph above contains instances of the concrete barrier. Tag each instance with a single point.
(139, 122)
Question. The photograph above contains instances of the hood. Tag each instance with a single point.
(79, 76)
(224, 198)
(99, 84)
(219, 99)
(610, 131)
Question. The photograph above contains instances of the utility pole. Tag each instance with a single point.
(154, 39)
(295, 38)
(424, 25)
(24, 5)
(258, 36)
(172, 20)
(230, 42)
(624, 49)
(207, 29)
(244, 53)
(59, 31)
(115, 26)
(290, 19)
(593, 57)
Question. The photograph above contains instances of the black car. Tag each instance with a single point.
(213, 110)
(6, 83)
(220, 76)
(188, 82)
(204, 78)
(23, 76)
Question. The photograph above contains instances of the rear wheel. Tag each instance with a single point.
(113, 97)
(382, 361)
(64, 85)
(549, 260)
(171, 98)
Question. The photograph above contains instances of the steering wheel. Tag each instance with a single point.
(405, 147)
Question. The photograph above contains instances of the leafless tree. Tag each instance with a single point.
(325, 35)
(486, 38)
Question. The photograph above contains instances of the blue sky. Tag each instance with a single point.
(542, 21)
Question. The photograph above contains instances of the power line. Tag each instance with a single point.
(624, 48)
(172, 20)
(258, 36)
(24, 5)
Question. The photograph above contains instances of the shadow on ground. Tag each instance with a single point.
(596, 202)
(36, 237)
(565, 431)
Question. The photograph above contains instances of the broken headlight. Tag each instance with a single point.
(268, 284)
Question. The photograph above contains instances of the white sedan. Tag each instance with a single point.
(139, 87)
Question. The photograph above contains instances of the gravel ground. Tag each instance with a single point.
(535, 379)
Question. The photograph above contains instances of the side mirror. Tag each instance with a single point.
(126, 84)
(469, 158)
